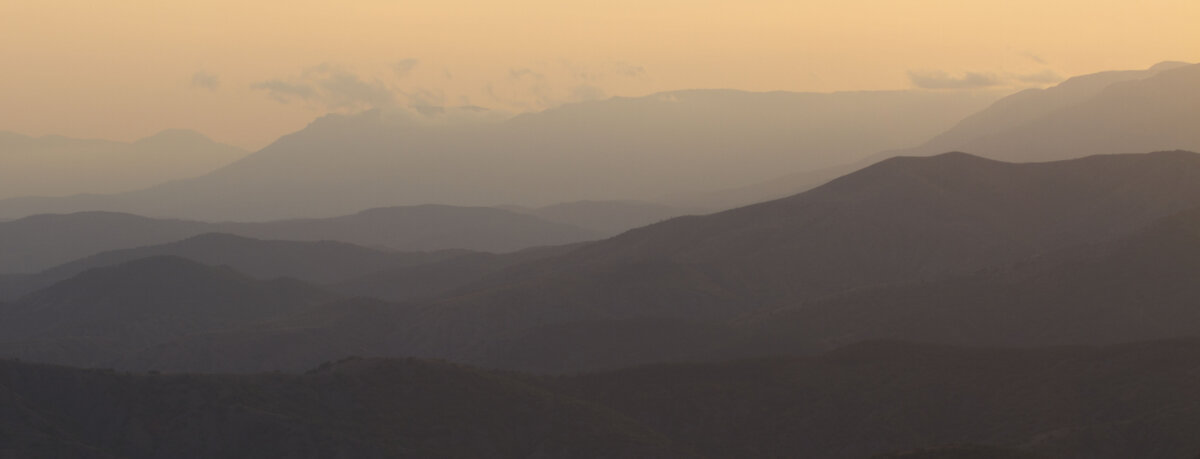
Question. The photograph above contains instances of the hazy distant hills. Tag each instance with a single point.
(61, 166)
(1110, 112)
(793, 275)
(1103, 113)
(902, 220)
(40, 242)
(608, 217)
(1160, 112)
(1135, 400)
(313, 261)
(620, 149)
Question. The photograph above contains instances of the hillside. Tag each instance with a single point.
(902, 220)
(319, 262)
(97, 317)
(1131, 400)
(879, 399)
(40, 242)
(1139, 287)
(354, 408)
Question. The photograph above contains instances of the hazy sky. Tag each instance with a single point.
(247, 71)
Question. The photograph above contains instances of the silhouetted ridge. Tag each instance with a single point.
(903, 220)
(359, 408)
(37, 243)
(102, 315)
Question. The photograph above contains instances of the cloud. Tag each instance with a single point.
(331, 86)
(283, 92)
(1043, 77)
(585, 92)
(205, 80)
(1034, 57)
(629, 70)
(405, 67)
(521, 73)
(423, 98)
(943, 80)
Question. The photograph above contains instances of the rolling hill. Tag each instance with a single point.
(37, 243)
(902, 220)
(101, 315)
(1143, 286)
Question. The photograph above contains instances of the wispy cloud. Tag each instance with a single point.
(205, 80)
(405, 67)
(1034, 57)
(1043, 77)
(943, 80)
(331, 86)
(980, 80)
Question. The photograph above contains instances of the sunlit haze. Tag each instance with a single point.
(245, 73)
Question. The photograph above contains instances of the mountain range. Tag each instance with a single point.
(1103, 113)
(901, 220)
(40, 242)
(904, 240)
(640, 148)
(61, 166)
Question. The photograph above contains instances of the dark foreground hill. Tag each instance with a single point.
(885, 398)
(355, 408)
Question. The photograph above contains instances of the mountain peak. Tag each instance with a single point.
(1168, 65)
(176, 136)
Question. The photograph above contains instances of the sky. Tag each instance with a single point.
(245, 72)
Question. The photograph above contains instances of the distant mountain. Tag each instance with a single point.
(1107, 112)
(606, 217)
(61, 166)
(437, 278)
(97, 317)
(619, 149)
(902, 220)
(718, 286)
(40, 242)
(36, 243)
(319, 262)
(879, 399)
(424, 227)
(353, 408)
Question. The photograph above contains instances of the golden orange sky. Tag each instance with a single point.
(246, 72)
